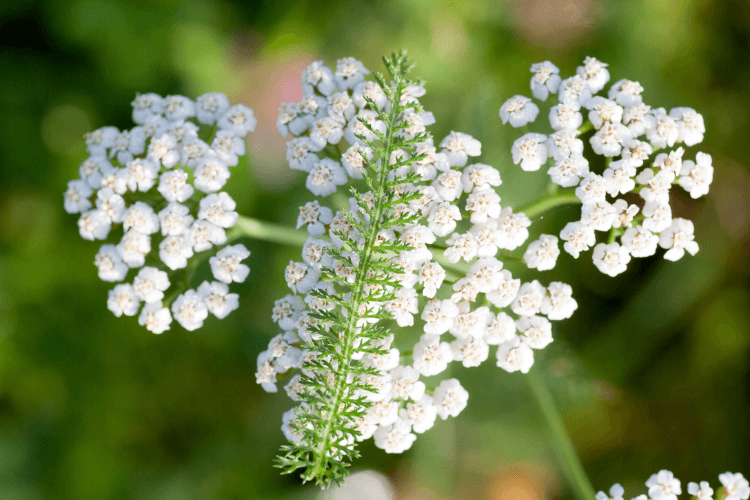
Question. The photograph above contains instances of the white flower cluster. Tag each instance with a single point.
(627, 133)
(664, 486)
(449, 191)
(161, 180)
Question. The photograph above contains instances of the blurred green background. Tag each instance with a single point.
(651, 372)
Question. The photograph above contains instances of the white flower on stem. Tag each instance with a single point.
(483, 204)
(193, 151)
(175, 219)
(353, 162)
(546, 79)
(309, 110)
(665, 132)
(615, 493)
(442, 218)
(405, 383)
(450, 398)
(696, 177)
(432, 163)
(465, 289)
(480, 176)
(458, 147)
(163, 151)
(404, 306)
(294, 387)
(416, 123)
(150, 283)
(663, 486)
(315, 216)
(624, 214)
(218, 299)
(486, 274)
(128, 144)
(559, 302)
(431, 276)
(658, 216)
(530, 150)
(209, 107)
(595, 73)
(529, 299)
(501, 328)
(112, 205)
(611, 259)
(178, 107)
(154, 126)
(515, 355)
(174, 186)
(288, 419)
(702, 492)
(226, 266)
(593, 189)
(567, 172)
(372, 91)
(140, 217)
(155, 318)
(439, 316)
(421, 414)
(287, 310)
(656, 185)
(210, 173)
(671, 162)
(736, 485)
(109, 264)
(395, 438)
(183, 130)
(189, 310)
(639, 119)
(134, 247)
(228, 147)
(218, 209)
(598, 216)
(574, 90)
(384, 412)
(689, 125)
(470, 323)
(77, 197)
(318, 76)
(461, 246)
(326, 131)
(357, 128)
(485, 235)
(519, 111)
(564, 143)
(678, 239)
(636, 152)
(300, 277)
(203, 235)
(92, 170)
(431, 356)
(238, 119)
(266, 374)
(98, 141)
(626, 92)
(619, 177)
(123, 300)
(536, 331)
(349, 72)
(609, 139)
(603, 110)
(324, 176)
(542, 254)
(381, 388)
(506, 291)
(640, 242)
(287, 120)
(470, 351)
(448, 185)
(565, 116)
(94, 225)
(146, 106)
(577, 237)
(314, 254)
(512, 229)
(174, 251)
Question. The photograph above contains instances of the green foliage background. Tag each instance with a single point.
(651, 371)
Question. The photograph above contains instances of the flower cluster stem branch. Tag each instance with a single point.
(267, 231)
(538, 207)
(566, 453)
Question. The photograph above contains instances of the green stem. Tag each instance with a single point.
(566, 453)
(538, 207)
(267, 231)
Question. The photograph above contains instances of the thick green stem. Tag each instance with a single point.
(267, 231)
(566, 453)
(535, 209)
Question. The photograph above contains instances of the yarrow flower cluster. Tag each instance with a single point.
(162, 181)
(437, 210)
(664, 486)
(628, 134)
